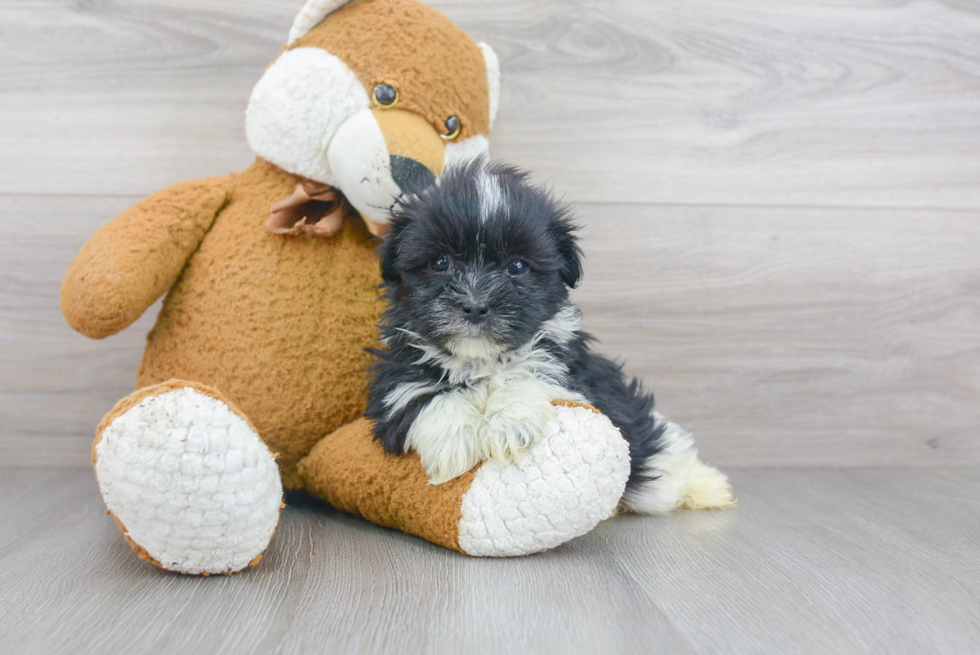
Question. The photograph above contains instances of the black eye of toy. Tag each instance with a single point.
(439, 264)
(518, 267)
(385, 96)
(453, 126)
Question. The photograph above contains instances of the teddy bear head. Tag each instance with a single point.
(374, 98)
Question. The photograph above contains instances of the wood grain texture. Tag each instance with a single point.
(820, 102)
(828, 561)
(733, 161)
(780, 336)
(55, 384)
(796, 336)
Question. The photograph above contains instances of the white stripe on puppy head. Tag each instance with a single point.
(491, 194)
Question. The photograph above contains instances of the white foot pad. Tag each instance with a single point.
(191, 482)
(564, 485)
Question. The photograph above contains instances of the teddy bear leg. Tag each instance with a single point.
(570, 478)
(187, 479)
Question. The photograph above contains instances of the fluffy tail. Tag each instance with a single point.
(677, 477)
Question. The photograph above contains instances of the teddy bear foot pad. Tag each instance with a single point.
(568, 482)
(188, 480)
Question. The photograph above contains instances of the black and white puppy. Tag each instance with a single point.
(480, 337)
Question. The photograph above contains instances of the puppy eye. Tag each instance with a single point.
(439, 264)
(453, 127)
(385, 96)
(518, 267)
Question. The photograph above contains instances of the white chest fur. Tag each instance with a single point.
(494, 417)
(491, 406)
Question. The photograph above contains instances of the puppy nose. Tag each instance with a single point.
(475, 312)
(410, 175)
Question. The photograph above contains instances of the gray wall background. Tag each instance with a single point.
(781, 200)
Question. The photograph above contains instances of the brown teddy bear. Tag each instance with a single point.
(254, 377)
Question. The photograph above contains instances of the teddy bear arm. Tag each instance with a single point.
(135, 258)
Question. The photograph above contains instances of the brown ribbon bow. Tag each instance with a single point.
(312, 208)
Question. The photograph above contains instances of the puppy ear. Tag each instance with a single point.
(570, 253)
(388, 252)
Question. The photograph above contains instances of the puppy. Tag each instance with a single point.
(480, 337)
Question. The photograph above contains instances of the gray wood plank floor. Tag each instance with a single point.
(780, 200)
(812, 561)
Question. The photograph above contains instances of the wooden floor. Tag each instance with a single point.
(812, 561)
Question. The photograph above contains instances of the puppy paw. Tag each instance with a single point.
(508, 430)
(445, 436)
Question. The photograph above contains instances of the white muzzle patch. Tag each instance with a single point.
(361, 167)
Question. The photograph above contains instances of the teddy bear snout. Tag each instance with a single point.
(377, 155)
(410, 175)
(408, 135)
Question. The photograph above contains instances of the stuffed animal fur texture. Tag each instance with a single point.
(254, 377)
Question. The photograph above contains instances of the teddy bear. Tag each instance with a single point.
(254, 377)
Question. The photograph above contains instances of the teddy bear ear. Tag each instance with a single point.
(493, 78)
(310, 16)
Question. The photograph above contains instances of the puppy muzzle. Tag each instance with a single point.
(475, 312)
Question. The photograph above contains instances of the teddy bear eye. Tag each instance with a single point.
(518, 267)
(453, 126)
(440, 264)
(385, 95)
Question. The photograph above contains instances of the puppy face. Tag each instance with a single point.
(478, 261)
